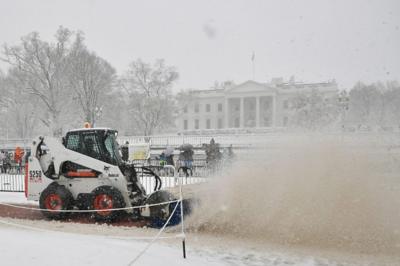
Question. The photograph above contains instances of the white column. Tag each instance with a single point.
(257, 111)
(226, 114)
(241, 112)
(273, 124)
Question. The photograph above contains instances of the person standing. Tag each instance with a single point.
(163, 159)
(6, 162)
(2, 160)
(125, 151)
(169, 156)
(186, 156)
(213, 155)
(19, 153)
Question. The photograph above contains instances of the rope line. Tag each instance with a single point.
(144, 237)
(154, 239)
(110, 237)
(86, 211)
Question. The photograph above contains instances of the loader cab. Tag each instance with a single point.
(98, 143)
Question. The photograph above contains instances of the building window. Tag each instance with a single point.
(220, 107)
(219, 123)
(208, 124)
(285, 104)
(185, 109)
(185, 124)
(196, 108)
(208, 107)
(196, 124)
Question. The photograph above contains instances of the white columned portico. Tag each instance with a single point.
(241, 112)
(257, 111)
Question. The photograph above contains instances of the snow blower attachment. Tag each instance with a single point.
(86, 172)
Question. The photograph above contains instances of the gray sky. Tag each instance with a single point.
(214, 40)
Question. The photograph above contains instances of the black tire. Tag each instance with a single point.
(106, 197)
(84, 201)
(56, 197)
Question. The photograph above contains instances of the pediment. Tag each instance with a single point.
(251, 86)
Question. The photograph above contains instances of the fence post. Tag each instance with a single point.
(182, 220)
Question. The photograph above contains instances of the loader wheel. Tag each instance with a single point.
(55, 197)
(104, 198)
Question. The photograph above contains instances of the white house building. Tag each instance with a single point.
(247, 105)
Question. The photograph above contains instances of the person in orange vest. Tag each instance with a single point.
(19, 153)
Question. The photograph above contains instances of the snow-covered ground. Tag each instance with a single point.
(26, 247)
(25, 242)
(15, 197)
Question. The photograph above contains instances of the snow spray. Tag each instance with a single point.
(335, 194)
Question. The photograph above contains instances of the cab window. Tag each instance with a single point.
(73, 142)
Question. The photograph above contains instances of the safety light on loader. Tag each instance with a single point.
(87, 125)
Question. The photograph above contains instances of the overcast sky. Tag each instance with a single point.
(214, 40)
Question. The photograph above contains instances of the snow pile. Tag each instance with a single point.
(315, 194)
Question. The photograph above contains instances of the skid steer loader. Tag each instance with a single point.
(85, 171)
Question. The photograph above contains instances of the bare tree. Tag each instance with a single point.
(312, 111)
(114, 112)
(364, 103)
(4, 92)
(44, 65)
(90, 77)
(150, 97)
(391, 101)
(3, 105)
(22, 110)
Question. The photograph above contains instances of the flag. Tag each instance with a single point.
(253, 56)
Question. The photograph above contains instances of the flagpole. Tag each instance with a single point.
(253, 71)
(253, 65)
